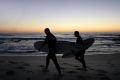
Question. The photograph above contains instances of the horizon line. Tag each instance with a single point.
(56, 32)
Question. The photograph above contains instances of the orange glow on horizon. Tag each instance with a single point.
(55, 29)
(66, 27)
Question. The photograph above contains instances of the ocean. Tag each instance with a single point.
(22, 44)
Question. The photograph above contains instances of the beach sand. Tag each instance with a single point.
(100, 67)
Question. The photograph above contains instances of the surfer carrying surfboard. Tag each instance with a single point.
(80, 53)
(50, 40)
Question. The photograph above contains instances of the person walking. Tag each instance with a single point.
(51, 41)
(80, 53)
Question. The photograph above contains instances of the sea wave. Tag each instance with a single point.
(23, 44)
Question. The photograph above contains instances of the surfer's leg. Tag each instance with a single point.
(47, 64)
(83, 61)
(54, 59)
(77, 57)
(47, 61)
(80, 58)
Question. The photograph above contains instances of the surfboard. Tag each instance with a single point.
(62, 46)
(65, 47)
(73, 51)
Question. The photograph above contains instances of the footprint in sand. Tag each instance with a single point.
(26, 64)
(71, 72)
(101, 71)
(62, 68)
(116, 74)
(1, 61)
(44, 70)
(13, 62)
(102, 76)
(90, 68)
(10, 73)
(81, 77)
(48, 79)
(57, 77)
(28, 71)
(105, 78)
(79, 69)
(67, 64)
(28, 78)
(20, 67)
(64, 63)
(76, 66)
(42, 66)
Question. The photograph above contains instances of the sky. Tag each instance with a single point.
(24, 16)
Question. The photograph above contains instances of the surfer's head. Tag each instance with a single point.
(47, 30)
(76, 33)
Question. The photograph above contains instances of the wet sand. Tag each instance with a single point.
(100, 67)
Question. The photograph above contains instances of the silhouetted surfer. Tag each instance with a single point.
(51, 41)
(80, 53)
